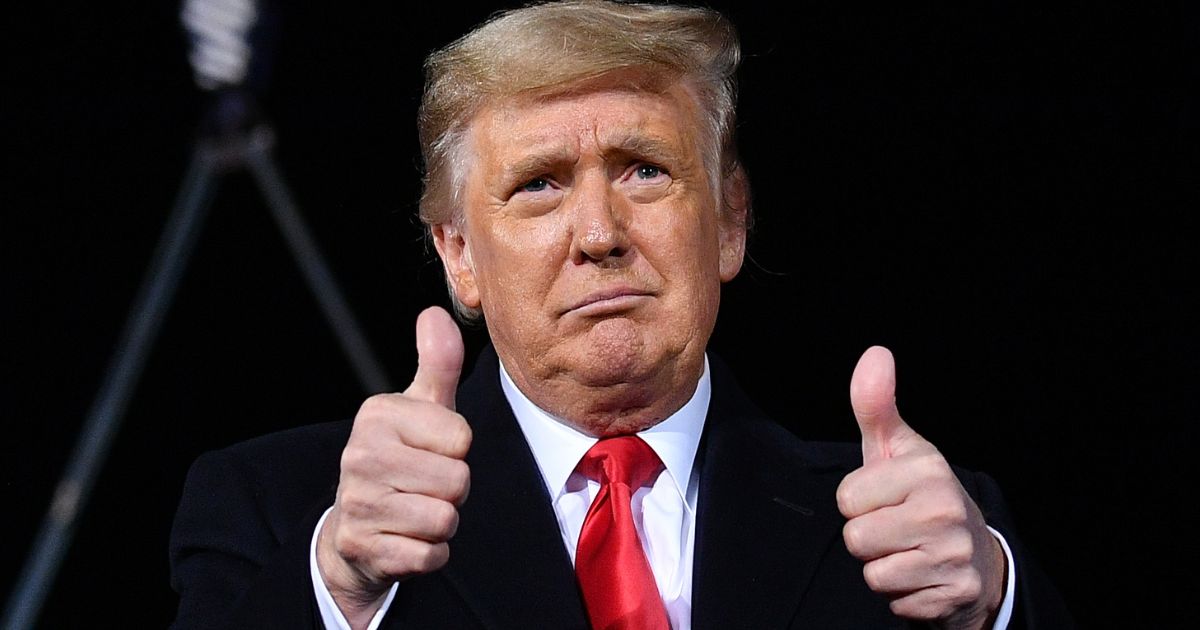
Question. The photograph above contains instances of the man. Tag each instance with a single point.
(585, 197)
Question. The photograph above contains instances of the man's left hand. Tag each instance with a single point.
(923, 539)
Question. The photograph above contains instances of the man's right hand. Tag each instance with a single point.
(402, 480)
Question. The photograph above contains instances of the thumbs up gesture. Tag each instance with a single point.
(923, 540)
(402, 480)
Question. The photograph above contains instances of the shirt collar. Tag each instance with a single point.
(557, 447)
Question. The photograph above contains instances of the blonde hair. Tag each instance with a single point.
(558, 45)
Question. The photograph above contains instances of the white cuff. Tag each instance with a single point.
(331, 616)
(1010, 588)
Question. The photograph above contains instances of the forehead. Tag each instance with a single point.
(600, 119)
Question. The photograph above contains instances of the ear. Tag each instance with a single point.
(735, 213)
(455, 252)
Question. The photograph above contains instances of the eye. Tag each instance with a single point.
(537, 196)
(644, 182)
(537, 184)
(648, 171)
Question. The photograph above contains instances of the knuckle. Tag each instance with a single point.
(969, 588)
(959, 513)
(458, 437)
(366, 410)
(349, 546)
(353, 506)
(355, 459)
(356, 501)
(958, 549)
(942, 509)
(372, 407)
(874, 575)
(429, 557)
(393, 561)
(904, 608)
(400, 559)
(420, 558)
(846, 501)
(931, 465)
(951, 512)
(445, 521)
(363, 457)
(854, 537)
(458, 481)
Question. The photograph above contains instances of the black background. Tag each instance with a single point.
(1003, 195)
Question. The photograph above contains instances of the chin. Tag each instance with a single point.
(615, 352)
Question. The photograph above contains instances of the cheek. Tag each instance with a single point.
(517, 263)
(685, 241)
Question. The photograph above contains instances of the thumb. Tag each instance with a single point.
(439, 358)
(873, 398)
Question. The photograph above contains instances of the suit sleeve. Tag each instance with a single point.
(235, 561)
(1037, 605)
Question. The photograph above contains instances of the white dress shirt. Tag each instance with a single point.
(664, 513)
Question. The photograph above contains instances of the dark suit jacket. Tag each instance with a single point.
(769, 551)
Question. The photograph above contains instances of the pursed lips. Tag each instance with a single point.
(608, 300)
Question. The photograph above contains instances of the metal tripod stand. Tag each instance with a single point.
(251, 150)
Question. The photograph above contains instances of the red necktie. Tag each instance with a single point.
(618, 585)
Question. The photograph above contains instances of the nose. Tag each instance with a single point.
(600, 234)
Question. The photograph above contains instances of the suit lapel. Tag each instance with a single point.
(507, 558)
(765, 517)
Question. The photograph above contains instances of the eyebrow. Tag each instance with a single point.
(618, 145)
(635, 145)
(537, 163)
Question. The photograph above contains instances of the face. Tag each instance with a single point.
(591, 238)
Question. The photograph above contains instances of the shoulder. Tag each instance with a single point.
(279, 475)
(733, 416)
(310, 439)
(736, 417)
(290, 455)
(243, 524)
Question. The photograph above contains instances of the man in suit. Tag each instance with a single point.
(584, 194)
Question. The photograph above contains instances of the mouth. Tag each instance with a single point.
(608, 301)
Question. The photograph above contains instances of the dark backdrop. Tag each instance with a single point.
(1003, 195)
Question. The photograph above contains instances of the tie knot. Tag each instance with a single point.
(626, 459)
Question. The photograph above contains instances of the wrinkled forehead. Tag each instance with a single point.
(624, 110)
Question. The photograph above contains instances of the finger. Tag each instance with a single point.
(351, 550)
(865, 490)
(901, 573)
(418, 516)
(922, 589)
(403, 468)
(368, 513)
(873, 398)
(395, 557)
(423, 472)
(417, 423)
(882, 532)
(439, 358)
